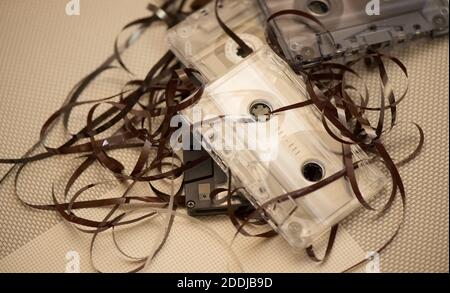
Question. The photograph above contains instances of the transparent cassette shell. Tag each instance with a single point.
(271, 156)
(304, 44)
(199, 42)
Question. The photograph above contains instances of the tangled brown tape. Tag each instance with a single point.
(139, 118)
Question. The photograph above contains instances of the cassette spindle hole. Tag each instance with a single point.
(260, 111)
(190, 204)
(319, 7)
(313, 171)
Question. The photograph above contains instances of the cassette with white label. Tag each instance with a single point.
(274, 154)
(200, 43)
(355, 26)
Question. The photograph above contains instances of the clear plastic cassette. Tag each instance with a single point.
(354, 25)
(199, 42)
(271, 155)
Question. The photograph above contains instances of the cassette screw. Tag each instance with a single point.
(439, 20)
(295, 46)
(190, 204)
(307, 52)
(184, 32)
(296, 229)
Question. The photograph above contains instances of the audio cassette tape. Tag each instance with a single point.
(354, 26)
(273, 154)
(199, 41)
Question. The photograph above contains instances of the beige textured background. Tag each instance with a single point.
(43, 52)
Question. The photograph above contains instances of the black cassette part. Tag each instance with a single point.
(200, 181)
(354, 25)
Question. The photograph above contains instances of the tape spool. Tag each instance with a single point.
(231, 47)
(327, 11)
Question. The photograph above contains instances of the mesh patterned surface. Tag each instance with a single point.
(423, 242)
(41, 61)
(193, 246)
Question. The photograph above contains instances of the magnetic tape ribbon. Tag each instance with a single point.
(341, 113)
(244, 50)
(345, 110)
(128, 136)
(171, 89)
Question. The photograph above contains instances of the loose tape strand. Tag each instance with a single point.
(142, 116)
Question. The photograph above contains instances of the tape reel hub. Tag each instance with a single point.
(232, 48)
(319, 7)
(313, 171)
(260, 111)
